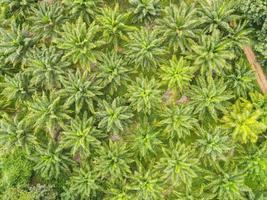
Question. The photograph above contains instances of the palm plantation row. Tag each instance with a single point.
(122, 100)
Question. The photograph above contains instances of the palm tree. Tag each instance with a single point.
(113, 25)
(145, 141)
(118, 190)
(178, 122)
(146, 184)
(217, 14)
(47, 19)
(81, 90)
(80, 136)
(179, 26)
(15, 133)
(114, 161)
(144, 95)
(113, 72)
(226, 183)
(243, 121)
(145, 49)
(178, 165)
(15, 43)
(177, 74)
(145, 10)
(16, 89)
(241, 79)
(46, 112)
(79, 43)
(213, 145)
(46, 67)
(83, 183)
(212, 54)
(209, 97)
(86, 9)
(51, 162)
(113, 116)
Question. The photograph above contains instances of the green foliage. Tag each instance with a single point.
(177, 74)
(79, 42)
(209, 97)
(80, 89)
(178, 122)
(179, 26)
(114, 116)
(80, 136)
(145, 10)
(16, 169)
(144, 95)
(145, 49)
(243, 122)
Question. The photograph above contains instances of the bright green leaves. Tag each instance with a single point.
(114, 161)
(145, 10)
(113, 25)
(243, 122)
(178, 122)
(145, 49)
(80, 89)
(178, 165)
(144, 95)
(80, 43)
(179, 26)
(114, 116)
(113, 72)
(212, 54)
(209, 97)
(46, 67)
(177, 74)
(51, 162)
(80, 136)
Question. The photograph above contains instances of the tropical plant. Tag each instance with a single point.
(15, 133)
(113, 25)
(47, 19)
(83, 183)
(144, 95)
(81, 90)
(145, 49)
(241, 79)
(16, 89)
(145, 10)
(47, 113)
(212, 54)
(178, 165)
(177, 74)
(15, 43)
(209, 97)
(178, 122)
(86, 9)
(118, 190)
(213, 145)
(145, 141)
(51, 162)
(46, 67)
(113, 72)
(113, 116)
(79, 42)
(113, 161)
(217, 14)
(227, 184)
(179, 26)
(146, 184)
(243, 122)
(80, 136)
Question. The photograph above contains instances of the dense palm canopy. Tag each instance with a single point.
(133, 100)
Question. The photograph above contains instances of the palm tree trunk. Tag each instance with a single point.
(261, 78)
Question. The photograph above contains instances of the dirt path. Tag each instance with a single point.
(261, 78)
